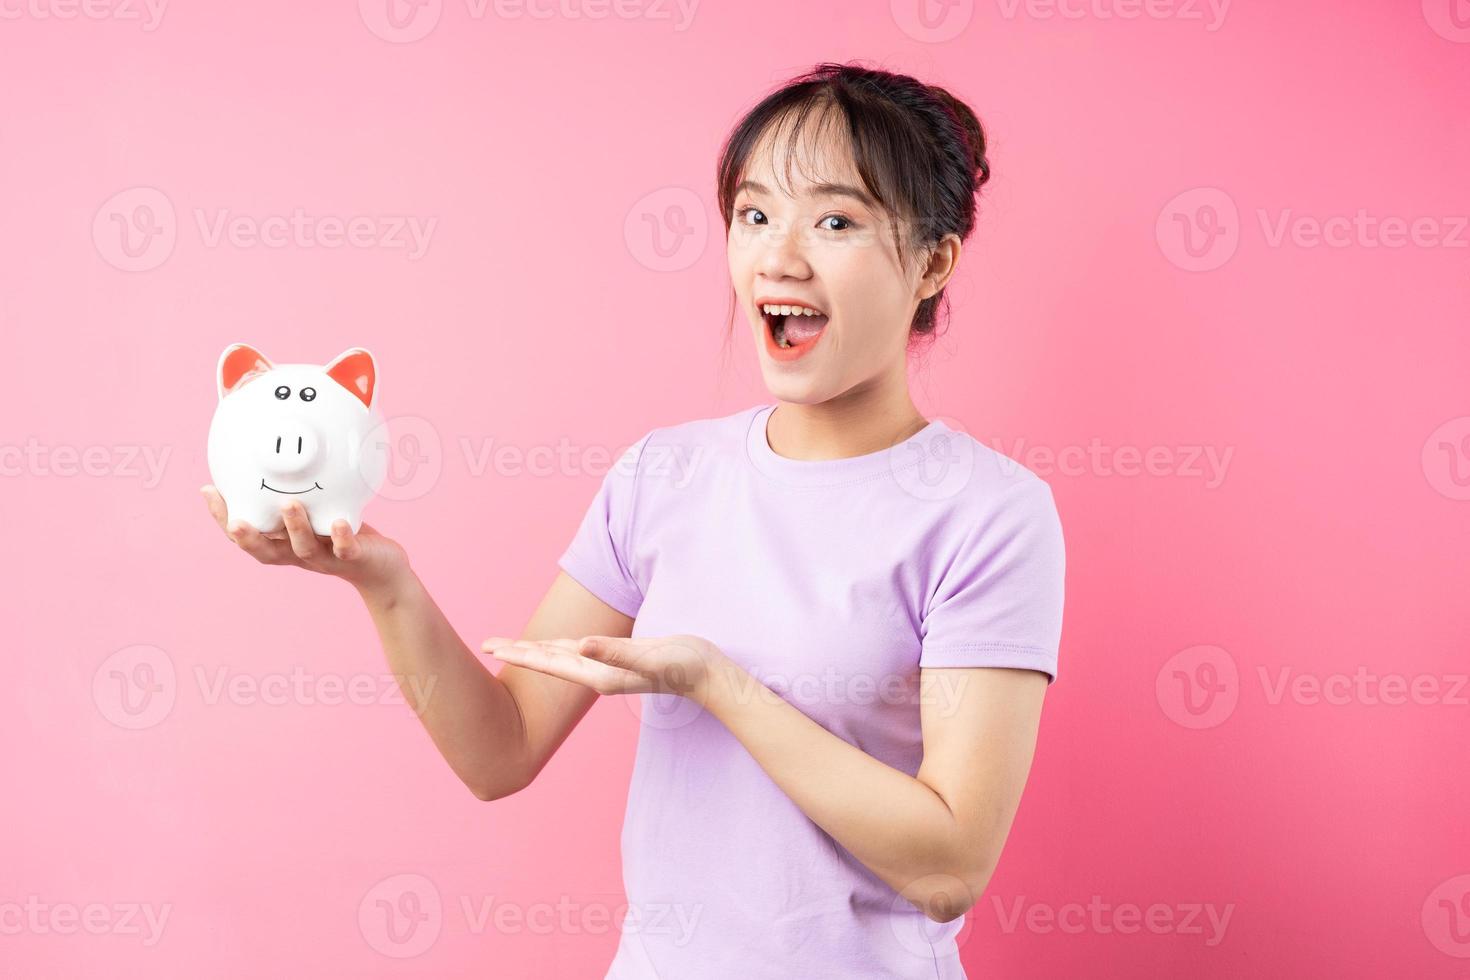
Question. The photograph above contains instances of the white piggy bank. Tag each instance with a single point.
(297, 432)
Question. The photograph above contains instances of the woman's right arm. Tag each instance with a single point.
(495, 731)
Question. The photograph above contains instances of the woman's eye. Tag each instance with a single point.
(843, 222)
(283, 392)
(748, 210)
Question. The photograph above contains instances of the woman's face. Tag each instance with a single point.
(819, 241)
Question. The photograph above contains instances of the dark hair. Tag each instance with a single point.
(919, 150)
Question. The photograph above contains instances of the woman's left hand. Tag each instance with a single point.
(680, 664)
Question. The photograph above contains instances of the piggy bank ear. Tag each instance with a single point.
(355, 370)
(237, 363)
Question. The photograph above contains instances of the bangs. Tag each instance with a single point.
(805, 134)
(804, 125)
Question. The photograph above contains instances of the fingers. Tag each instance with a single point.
(560, 651)
(216, 504)
(559, 658)
(255, 544)
(344, 543)
(258, 546)
(602, 648)
(490, 643)
(304, 543)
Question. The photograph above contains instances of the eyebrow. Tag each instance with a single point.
(816, 190)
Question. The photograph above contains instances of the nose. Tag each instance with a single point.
(288, 447)
(781, 255)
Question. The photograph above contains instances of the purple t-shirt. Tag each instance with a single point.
(833, 582)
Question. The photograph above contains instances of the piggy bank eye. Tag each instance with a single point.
(307, 394)
(283, 392)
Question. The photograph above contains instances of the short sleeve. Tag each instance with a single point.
(599, 556)
(999, 603)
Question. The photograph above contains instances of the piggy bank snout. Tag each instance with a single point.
(287, 446)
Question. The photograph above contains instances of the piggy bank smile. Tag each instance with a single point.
(297, 430)
(266, 486)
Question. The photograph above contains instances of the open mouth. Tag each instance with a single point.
(264, 486)
(791, 325)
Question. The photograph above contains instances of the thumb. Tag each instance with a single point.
(610, 650)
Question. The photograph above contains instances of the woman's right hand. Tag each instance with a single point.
(367, 559)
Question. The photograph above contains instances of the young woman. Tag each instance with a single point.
(842, 617)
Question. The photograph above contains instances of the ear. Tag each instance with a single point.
(238, 362)
(355, 370)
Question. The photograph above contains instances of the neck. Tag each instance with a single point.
(859, 421)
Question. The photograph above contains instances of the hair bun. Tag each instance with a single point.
(973, 132)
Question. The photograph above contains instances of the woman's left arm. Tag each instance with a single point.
(934, 837)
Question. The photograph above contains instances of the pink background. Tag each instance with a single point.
(1095, 307)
